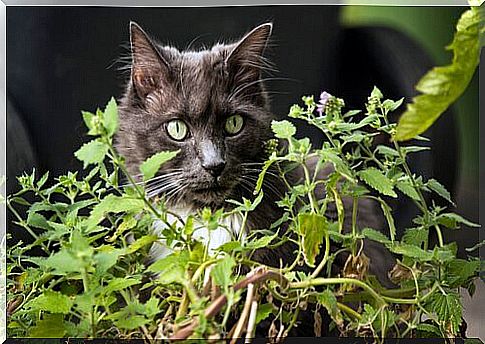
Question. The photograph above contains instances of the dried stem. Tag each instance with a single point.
(244, 315)
(251, 321)
(256, 276)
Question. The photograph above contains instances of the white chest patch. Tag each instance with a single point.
(229, 229)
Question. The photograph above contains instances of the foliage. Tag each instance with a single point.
(442, 86)
(86, 272)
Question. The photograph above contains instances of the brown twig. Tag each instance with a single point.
(258, 275)
(245, 313)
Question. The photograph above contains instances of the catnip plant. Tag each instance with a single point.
(86, 271)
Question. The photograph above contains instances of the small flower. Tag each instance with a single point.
(324, 97)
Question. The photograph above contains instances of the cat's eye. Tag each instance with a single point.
(234, 124)
(177, 129)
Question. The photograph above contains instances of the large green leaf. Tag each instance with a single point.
(441, 86)
(51, 301)
(110, 117)
(151, 166)
(92, 152)
(112, 204)
(378, 181)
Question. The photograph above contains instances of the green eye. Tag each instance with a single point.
(177, 129)
(234, 124)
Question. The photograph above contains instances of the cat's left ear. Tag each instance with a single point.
(248, 52)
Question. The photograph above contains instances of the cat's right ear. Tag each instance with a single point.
(148, 67)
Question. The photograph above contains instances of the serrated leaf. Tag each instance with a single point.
(441, 86)
(408, 189)
(385, 150)
(415, 236)
(38, 221)
(448, 309)
(151, 166)
(92, 152)
(374, 235)
(261, 242)
(460, 270)
(283, 129)
(439, 189)
(328, 300)
(412, 251)
(110, 117)
(112, 204)
(452, 220)
(312, 228)
(51, 301)
(263, 312)
(378, 181)
(222, 272)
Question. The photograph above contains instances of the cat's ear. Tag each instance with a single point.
(148, 68)
(247, 55)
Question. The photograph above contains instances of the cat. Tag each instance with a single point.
(212, 106)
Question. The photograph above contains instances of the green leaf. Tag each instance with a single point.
(151, 166)
(452, 220)
(442, 86)
(439, 189)
(412, 251)
(374, 235)
(110, 117)
(340, 166)
(51, 301)
(51, 326)
(171, 269)
(460, 270)
(415, 236)
(106, 259)
(378, 181)
(283, 129)
(448, 309)
(112, 204)
(376, 93)
(431, 329)
(119, 283)
(263, 312)
(92, 152)
(386, 209)
(142, 242)
(222, 272)
(131, 322)
(385, 150)
(313, 228)
(38, 221)
(328, 300)
(64, 262)
(261, 242)
(406, 187)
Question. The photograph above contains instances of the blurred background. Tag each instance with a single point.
(61, 60)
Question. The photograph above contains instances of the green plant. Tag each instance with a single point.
(84, 273)
(442, 86)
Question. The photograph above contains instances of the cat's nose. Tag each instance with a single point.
(214, 167)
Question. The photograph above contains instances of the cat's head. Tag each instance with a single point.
(208, 104)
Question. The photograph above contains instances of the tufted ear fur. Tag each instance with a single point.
(245, 60)
(149, 70)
